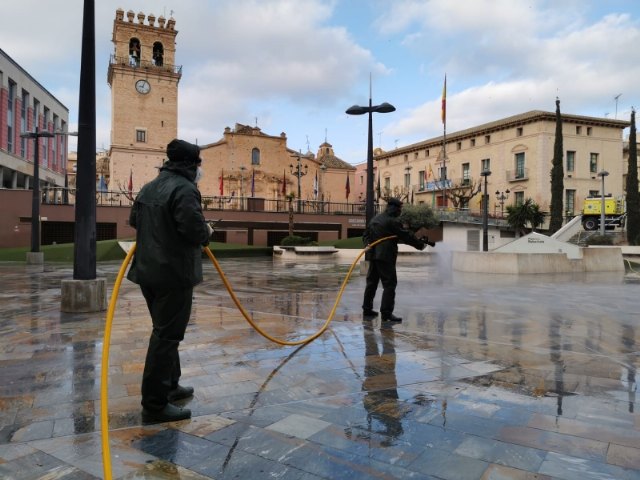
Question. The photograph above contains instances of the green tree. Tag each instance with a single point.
(633, 196)
(557, 176)
(415, 217)
(518, 216)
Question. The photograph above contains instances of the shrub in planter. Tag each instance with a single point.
(599, 240)
(297, 241)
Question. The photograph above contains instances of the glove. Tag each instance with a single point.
(209, 229)
(426, 241)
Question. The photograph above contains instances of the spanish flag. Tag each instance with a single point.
(347, 187)
(444, 101)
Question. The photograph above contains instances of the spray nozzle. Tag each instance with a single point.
(425, 239)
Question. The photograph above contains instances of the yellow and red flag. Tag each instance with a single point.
(444, 101)
(347, 188)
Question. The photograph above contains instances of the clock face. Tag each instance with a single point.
(142, 86)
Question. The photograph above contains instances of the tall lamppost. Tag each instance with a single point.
(84, 247)
(359, 110)
(297, 171)
(602, 173)
(485, 213)
(35, 199)
(501, 197)
(85, 292)
(323, 170)
(242, 169)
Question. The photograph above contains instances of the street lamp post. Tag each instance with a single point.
(242, 169)
(602, 173)
(297, 171)
(359, 110)
(35, 200)
(501, 197)
(323, 170)
(85, 292)
(485, 213)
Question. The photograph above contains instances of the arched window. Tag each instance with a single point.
(255, 156)
(158, 54)
(134, 52)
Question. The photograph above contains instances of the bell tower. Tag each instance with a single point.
(144, 97)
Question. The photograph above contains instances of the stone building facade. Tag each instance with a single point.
(246, 162)
(518, 151)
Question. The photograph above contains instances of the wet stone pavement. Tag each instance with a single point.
(488, 377)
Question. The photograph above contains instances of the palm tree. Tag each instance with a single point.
(518, 216)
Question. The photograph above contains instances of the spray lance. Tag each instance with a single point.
(425, 239)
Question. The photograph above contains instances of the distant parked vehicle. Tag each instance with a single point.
(614, 212)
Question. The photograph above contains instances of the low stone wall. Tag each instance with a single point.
(593, 260)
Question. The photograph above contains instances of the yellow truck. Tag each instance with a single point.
(614, 212)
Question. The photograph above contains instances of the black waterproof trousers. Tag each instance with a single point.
(385, 272)
(170, 311)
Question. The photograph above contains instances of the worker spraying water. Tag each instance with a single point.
(382, 259)
(187, 166)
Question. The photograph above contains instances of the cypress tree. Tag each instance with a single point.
(557, 177)
(633, 196)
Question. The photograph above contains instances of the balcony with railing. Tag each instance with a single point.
(518, 175)
(434, 185)
(66, 196)
(135, 62)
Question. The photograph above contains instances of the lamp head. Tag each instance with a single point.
(384, 108)
(356, 110)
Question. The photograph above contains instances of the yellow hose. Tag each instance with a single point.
(630, 265)
(104, 374)
(104, 397)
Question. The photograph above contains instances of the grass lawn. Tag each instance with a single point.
(108, 250)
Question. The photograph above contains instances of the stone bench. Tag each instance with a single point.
(315, 250)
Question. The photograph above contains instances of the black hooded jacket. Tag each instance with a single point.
(383, 225)
(170, 230)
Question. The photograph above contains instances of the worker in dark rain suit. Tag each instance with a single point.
(382, 259)
(170, 233)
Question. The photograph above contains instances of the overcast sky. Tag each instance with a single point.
(295, 66)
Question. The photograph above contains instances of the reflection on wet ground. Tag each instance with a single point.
(488, 377)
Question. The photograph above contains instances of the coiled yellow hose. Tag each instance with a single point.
(104, 389)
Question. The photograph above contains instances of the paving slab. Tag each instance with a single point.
(488, 377)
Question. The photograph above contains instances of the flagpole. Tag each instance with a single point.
(444, 142)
